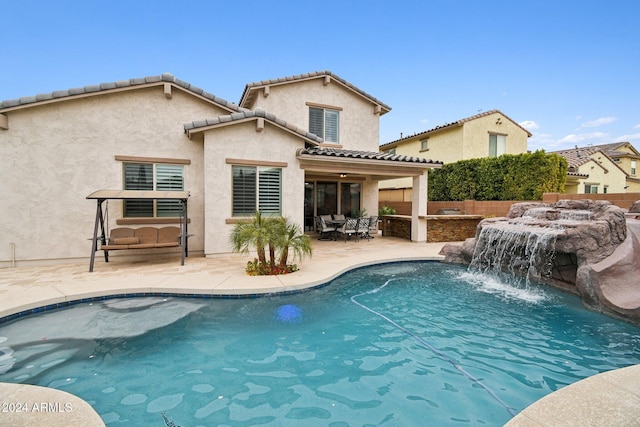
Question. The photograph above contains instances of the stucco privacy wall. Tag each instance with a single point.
(359, 126)
(242, 142)
(63, 151)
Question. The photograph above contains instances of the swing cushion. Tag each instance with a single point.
(125, 240)
(147, 238)
(143, 238)
(168, 236)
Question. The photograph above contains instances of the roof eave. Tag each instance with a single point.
(251, 88)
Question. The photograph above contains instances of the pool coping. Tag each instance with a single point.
(32, 289)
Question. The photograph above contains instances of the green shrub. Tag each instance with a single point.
(386, 210)
(508, 177)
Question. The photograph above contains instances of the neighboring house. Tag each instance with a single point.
(628, 158)
(297, 147)
(488, 134)
(592, 170)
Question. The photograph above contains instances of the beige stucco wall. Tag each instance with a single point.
(241, 141)
(476, 136)
(54, 155)
(607, 174)
(359, 126)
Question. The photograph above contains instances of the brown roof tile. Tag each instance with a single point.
(368, 155)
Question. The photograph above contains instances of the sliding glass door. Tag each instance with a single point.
(329, 198)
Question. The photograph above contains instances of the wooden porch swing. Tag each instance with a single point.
(139, 238)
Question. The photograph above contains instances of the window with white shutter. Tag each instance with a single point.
(325, 123)
(152, 176)
(256, 188)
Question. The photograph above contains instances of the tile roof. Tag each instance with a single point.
(578, 156)
(612, 149)
(244, 114)
(121, 84)
(456, 123)
(249, 91)
(367, 155)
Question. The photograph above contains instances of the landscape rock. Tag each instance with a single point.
(595, 253)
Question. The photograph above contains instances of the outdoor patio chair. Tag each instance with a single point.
(324, 229)
(363, 228)
(338, 217)
(350, 227)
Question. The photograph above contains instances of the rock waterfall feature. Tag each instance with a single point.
(585, 247)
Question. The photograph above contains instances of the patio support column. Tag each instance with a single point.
(419, 208)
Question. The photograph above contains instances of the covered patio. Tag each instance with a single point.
(345, 182)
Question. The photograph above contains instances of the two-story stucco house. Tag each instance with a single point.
(625, 155)
(296, 146)
(592, 170)
(488, 134)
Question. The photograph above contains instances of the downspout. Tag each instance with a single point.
(13, 254)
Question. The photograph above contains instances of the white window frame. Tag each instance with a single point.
(591, 189)
(634, 166)
(497, 144)
(266, 191)
(325, 123)
(424, 144)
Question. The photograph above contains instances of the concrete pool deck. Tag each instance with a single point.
(608, 399)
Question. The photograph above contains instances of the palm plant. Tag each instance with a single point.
(276, 234)
(295, 240)
(256, 233)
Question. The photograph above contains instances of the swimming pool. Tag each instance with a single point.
(416, 343)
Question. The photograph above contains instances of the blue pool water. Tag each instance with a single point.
(400, 344)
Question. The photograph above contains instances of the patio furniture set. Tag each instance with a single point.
(328, 226)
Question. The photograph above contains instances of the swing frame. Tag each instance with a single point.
(99, 228)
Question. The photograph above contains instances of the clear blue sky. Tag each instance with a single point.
(569, 70)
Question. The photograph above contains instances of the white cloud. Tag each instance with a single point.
(424, 121)
(599, 122)
(529, 125)
(637, 126)
(631, 137)
(585, 137)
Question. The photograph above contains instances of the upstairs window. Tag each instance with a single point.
(325, 123)
(256, 188)
(424, 144)
(497, 145)
(633, 167)
(149, 177)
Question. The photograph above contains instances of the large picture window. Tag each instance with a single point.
(153, 176)
(257, 188)
(324, 122)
